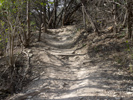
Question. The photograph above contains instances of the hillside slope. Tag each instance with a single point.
(64, 68)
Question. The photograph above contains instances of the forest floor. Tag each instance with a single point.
(68, 65)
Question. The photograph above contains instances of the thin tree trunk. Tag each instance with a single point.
(69, 15)
(114, 17)
(91, 21)
(44, 19)
(55, 11)
(28, 24)
(51, 18)
(84, 18)
(60, 21)
(40, 30)
(49, 13)
(63, 15)
(129, 18)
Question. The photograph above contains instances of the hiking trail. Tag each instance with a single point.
(63, 70)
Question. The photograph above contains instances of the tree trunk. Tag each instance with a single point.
(129, 18)
(114, 16)
(28, 35)
(44, 19)
(55, 11)
(84, 18)
(40, 30)
(63, 15)
(91, 21)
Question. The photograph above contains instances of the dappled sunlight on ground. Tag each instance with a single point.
(64, 73)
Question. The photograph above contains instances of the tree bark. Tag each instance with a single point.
(84, 18)
(63, 15)
(91, 21)
(40, 26)
(28, 35)
(44, 19)
(114, 16)
(129, 18)
(55, 11)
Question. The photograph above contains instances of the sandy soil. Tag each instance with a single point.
(63, 70)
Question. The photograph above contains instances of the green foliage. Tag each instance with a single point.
(77, 30)
(51, 2)
(95, 49)
(99, 21)
(10, 6)
(44, 4)
(127, 44)
(2, 23)
(0, 38)
(122, 34)
(131, 67)
(130, 52)
(32, 23)
(1, 2)
(84, 45)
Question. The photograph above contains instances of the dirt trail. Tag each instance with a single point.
(62, 73)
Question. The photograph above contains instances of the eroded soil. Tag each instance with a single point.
(62, 69)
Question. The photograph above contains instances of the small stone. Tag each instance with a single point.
(29, 97)
(36, 79)
(129, 93)
(30, 55)
(29, 51)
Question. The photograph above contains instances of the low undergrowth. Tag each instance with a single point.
(112, 46)
(13, 78)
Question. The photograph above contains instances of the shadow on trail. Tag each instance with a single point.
(59, 76)
(107, 83)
